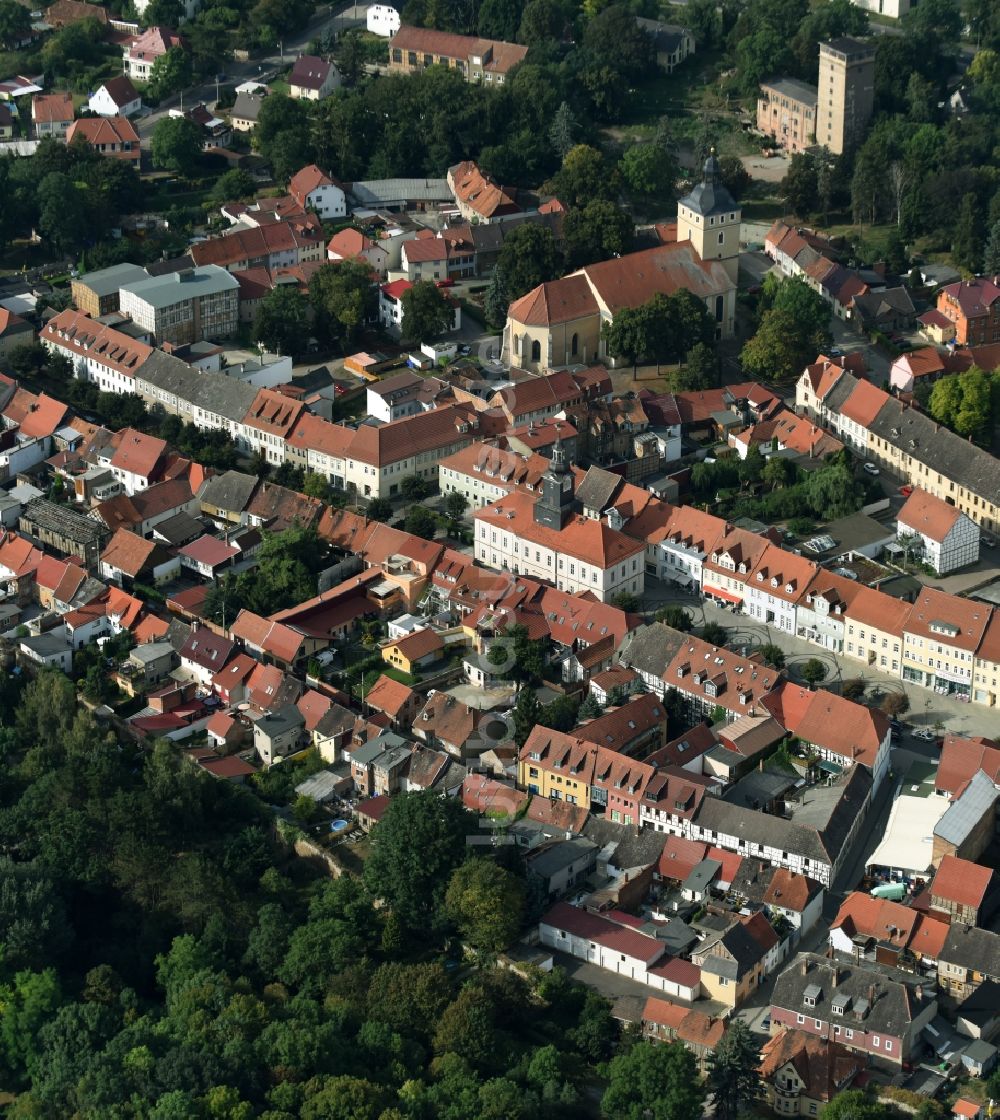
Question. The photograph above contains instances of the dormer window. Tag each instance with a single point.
(788, 589)
(760, 577)
(774, 581)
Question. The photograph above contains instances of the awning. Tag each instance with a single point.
(830, 767)
(728, 596)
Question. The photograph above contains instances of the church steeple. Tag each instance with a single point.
(710, 219)
(555, 502)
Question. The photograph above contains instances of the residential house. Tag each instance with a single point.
(557, 766)
(14, 332)
(208, 556)
(414, 651)
(940, 637)
(673, 44)
(973, 306)
(948, 539)
(968, 826)
(478, 197)
(969, 958)
(918, 367)
(786, 112)
(727, 570)
(268, 423)
(312, 78)
(277, 734)
(402, 395)
(52, 114)
(636, 727)
(46, 651)
(395, 700)
(116, 97)
(598, 939)
(736, 961)
(836, 729)
(64, 530)
(447, 724)
(110, 136)
(709, 678)
(885, 309)
(802, 1073)
(775, 585)
(986, 667)
(382, 20)
(245, 110)
(559, 865)
(664, 1021)
(869, 1010)
(141, 53)
(963, 890)
(349, 244)
(875, 623)
(488, 61)
(130, 559)
(286, 243)
(204, 653)
(137, 460)
(7, 119)
(148, 665)
(436, 258)
(314, 190)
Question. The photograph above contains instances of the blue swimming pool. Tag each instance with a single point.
(338, 826)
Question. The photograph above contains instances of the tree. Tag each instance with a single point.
(379, 509)
(486, 903)
(416, 846)
(163, 13)
(62, 212)
(935, 20)
(650, 172)
(732, 1074)
(596, 232)
(807, 306)
(714, 634)
(773, 655)
(176, 145)
(627, 335)
(414, 488)
(170, 73)
(234, 185)
(854, 1104)
(625, 601)
(427, 312)
(800, 184)
(560, 714)
(583, 177)
(895, 704)
(701, 370)
(991, 255)
(654, 1081)
(343, 298)
(562, 134)
(455, 505)
(853, 689)
(813, 671)
(15, 24)
(781, 347)
(527, 711)
(674, 616)
(421, 522)
(282, 321)
(590, 708)
(282, 135)
(545, 21)
(527, 258)
(967, 242)
(496, 300)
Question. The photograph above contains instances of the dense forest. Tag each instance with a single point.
(163, 956)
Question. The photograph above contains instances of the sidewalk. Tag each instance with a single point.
(927, 708)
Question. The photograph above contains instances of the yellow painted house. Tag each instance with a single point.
(557, 766)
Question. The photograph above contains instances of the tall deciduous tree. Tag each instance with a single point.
(650, 172)
(486, 903)
(427, 312)
(176, 145)
(343, 298)
(282, 321)
(170, 73)
(596, 232)
(416, 846)
(654, 1081)
(528, 257)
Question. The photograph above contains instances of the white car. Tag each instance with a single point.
(870, 468)
(925, 734)
(988, 541)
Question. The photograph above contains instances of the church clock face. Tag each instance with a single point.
(567, 482)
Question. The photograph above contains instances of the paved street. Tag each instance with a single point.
(927, 709)
(329, 18)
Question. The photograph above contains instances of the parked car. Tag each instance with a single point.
(870, 468)
(906, 491)
(988, 541)
(925, 734)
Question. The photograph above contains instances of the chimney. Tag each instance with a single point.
(804, 966)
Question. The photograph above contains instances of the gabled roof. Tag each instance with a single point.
(478, 191)
(120, 90)
(52, 108)
(558, 301)
(961, 881)
(309, 72)
(389, 696)
(113, 131)
(307, 180)
(138, 453)
(948, 619)
(207, 649)
(128, 553)
(930, 516)
(830, 722)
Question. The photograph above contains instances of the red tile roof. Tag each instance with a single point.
(418, 644)
(114, 131)
(831, 722)
(138, 453)
(389, 696)
(479, 191)
(128, 553)
(961, 881)
(52, 108)
(932, 517)
(209, 550)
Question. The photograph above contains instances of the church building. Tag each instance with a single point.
(559, 323)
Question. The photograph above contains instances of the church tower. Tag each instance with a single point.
(555, 503)
(710, 219)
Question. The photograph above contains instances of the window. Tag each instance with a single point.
(575, 345)
(876, 1041)
(800, 1019)
(888, 1045)
(536, 351)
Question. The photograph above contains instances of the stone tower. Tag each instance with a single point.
(710, 219)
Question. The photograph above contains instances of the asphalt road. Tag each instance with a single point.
(331, 18)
